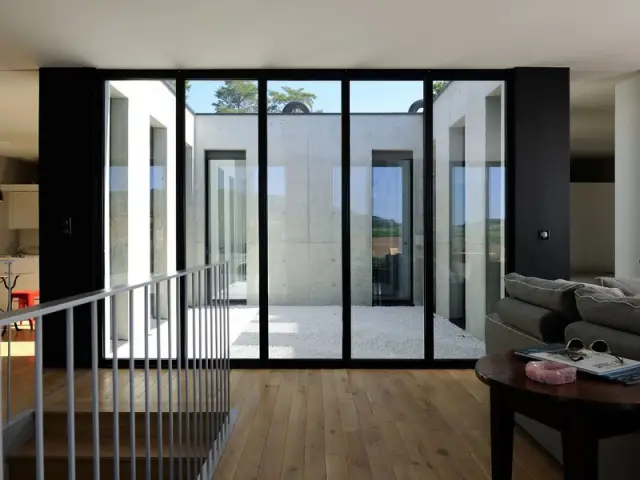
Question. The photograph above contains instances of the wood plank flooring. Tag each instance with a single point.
(356, 424)
(331, 424)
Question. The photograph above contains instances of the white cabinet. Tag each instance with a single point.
(22, 201)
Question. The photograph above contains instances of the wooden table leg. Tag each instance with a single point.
(579, 452)
(502, 424)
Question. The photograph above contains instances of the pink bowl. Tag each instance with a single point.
(550, 373)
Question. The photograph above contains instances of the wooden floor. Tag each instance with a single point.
(336, 424)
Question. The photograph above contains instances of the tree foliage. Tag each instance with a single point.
(241, 96)
(278, 99)
(438, 86)
(237, 96)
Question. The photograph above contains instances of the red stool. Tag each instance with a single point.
(26, 298)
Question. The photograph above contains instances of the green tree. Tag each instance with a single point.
(278, 99)
(237, 96)
(241, 96)
(438, 86)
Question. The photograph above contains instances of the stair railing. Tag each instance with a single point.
(190, 337)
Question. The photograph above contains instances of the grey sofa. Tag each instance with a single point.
(538, 311)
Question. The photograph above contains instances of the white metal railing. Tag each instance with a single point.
(202, 387)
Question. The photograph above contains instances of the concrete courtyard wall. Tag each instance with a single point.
(466, 105)
(304, 201)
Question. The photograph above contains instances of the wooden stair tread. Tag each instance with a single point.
(55, 448)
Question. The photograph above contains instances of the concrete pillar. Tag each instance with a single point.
(627, 178)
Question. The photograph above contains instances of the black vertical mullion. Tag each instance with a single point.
(345, 117)
(181, 206)
(427, 199)
(263, 237)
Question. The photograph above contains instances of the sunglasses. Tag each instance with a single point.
(576, 347)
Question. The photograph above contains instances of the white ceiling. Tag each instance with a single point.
(597, 40)
(582, 34)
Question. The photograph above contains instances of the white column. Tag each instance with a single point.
(627, 182)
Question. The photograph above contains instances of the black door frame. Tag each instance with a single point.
(345, 76)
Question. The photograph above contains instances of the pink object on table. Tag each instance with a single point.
(550, 373)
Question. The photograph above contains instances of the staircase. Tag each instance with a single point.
(163, 445)
(21, 461)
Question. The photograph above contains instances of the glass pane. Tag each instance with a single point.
(224, 132)
(387, 227)
(140, 211)
(304, 216)
(468, 137)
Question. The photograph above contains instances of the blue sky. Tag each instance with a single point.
(366, 97)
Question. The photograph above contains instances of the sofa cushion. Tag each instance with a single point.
(598, 288)
(629, 286)
(550, 294)
(624, 344)
(541, 323)
(609, 310)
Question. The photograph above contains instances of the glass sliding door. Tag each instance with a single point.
(225, 185)
(469, 236)
(140, 226)
(387, 225)
(304, 219)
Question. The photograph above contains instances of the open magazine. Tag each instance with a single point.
(601, 364)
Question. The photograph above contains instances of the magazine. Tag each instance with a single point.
(600, 364)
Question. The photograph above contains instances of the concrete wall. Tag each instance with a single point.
(304, 197)
(389, 133)
(304, 205)
(468, 105)
(592, 227)
(140, 105)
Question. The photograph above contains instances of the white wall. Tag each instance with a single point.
(464, 104)
(592, 227)
(627, 178)
(14, 171)
(148, 103)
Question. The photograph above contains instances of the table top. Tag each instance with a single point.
(506, 371)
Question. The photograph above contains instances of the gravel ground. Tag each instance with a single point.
(316, 332)
(377, 332)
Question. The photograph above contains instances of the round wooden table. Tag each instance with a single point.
(583, 412)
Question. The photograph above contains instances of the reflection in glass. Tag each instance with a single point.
(304, 220)
(225, 186)
(468, 140)
(141, 212)
(387, 227)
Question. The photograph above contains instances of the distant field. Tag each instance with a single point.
(381, 245)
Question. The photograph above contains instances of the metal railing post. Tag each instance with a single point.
(179, 379)
(147, 413)
(95, 392)
(159, 381)
(71, 411)
(187, 330)
(170, 381)
(196, 450)
(39, 404)
(116, 406)
(132, 408)
(206, 373)
(200, 359)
